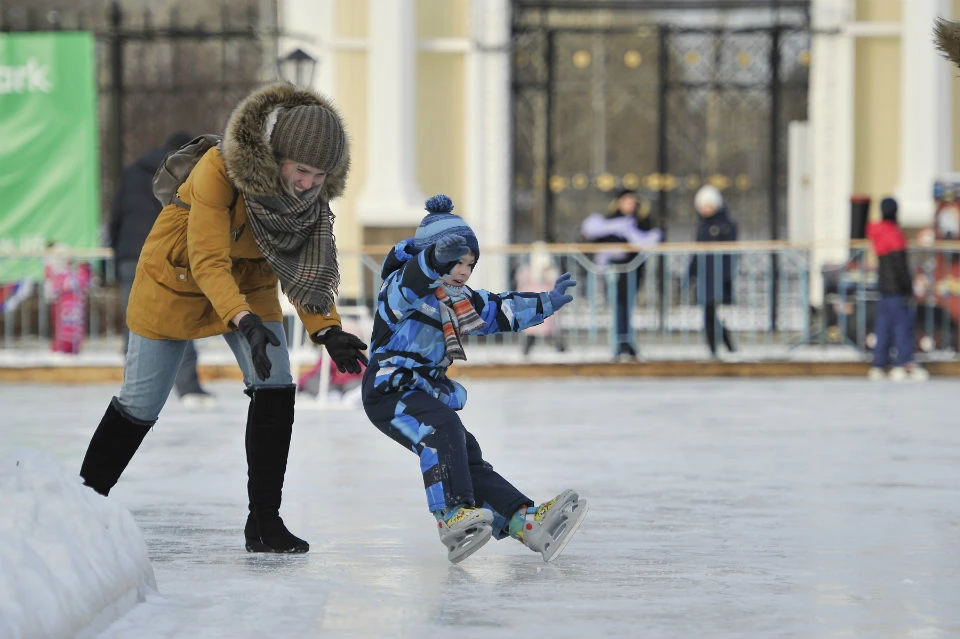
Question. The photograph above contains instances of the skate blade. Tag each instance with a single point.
(565, 532)
(255, 545)
(478, 537)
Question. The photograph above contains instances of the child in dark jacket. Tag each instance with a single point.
(893, 324)
(423, 311)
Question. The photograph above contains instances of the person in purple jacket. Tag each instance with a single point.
(628, 223)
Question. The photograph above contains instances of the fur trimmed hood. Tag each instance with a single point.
(946, 37)
(249, 160)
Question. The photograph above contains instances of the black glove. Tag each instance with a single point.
(258, 336)
(447, 251)
(346, 349)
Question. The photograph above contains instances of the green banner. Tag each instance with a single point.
(49, 161)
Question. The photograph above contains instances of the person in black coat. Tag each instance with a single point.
(132, 215)
(714, 271)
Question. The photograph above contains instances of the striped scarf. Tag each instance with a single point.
(458, 318)
(296, 237)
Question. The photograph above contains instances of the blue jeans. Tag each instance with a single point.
(893, 326)
(152, 364)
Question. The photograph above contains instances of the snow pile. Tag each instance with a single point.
(71, 561)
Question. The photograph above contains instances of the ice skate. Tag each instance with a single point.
(464, 531)
(551, 525)
(876, 374)
(917, 373)
(909, 373)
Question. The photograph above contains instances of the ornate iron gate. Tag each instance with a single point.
(161, 73)
(609, 93)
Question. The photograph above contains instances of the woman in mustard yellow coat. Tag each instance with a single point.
(252, 212)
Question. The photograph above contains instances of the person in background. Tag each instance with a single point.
(134, 210)
(253, 212)
(893, 324)
(715, 270)
(538, 274)
(628, 223)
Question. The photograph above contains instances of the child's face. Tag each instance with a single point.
(461, 271)
(707, 210)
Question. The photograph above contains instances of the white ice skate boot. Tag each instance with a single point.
(464, 531)
(551, 525)
(917, 373)
(876, 374)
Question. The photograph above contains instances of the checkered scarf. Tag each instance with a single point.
(458, 318)
(296, 237)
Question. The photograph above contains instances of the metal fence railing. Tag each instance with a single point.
(46, 296)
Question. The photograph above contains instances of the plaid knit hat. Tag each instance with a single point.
(309, 134)
(440, 222)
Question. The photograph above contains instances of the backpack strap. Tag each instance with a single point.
(236, 191)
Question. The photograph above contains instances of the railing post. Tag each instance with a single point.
(116, 74)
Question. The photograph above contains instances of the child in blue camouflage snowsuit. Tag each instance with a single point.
(424, 308)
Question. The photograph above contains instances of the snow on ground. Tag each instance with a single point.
(719, 508)
(72, 561)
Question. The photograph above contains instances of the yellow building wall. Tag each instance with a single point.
(350, 18)
(441, 131)
(439, 114)
(877, 117)
(443, 18)
(878, 10)
(350, 96)
(441, 101)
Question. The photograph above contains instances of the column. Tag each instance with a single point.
(926, 102)
(831, 141)
(488, 120)
(390, 196)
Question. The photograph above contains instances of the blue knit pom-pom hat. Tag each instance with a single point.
(441, 222)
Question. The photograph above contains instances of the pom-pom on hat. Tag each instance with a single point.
(888, 209)
(441, 222)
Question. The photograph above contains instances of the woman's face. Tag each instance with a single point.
(301, 177)
(627, 204)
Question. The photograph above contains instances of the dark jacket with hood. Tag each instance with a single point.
(135, 209)
(715, 270)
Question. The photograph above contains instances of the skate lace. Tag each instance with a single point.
(542, 510)
(459, 516)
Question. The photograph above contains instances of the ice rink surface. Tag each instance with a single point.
(718, 508)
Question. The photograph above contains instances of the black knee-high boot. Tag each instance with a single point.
(112, 447)
(269, 426)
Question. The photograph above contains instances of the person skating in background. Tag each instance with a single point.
(893, 323)
(132, 214)
(628, 223)
(253, 210)
(424, 310)
(536, 274)
(714, 271)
